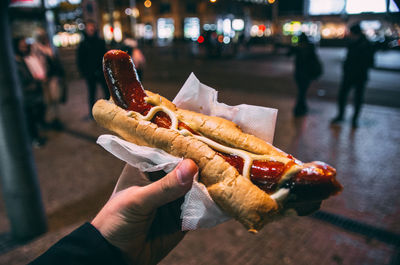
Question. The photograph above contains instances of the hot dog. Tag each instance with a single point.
(247, 177)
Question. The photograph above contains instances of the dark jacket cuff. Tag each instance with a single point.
(85, 245)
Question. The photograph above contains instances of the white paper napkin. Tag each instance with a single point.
(198, 209)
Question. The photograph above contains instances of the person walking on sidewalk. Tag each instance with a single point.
(54, 88)
(89, 59)
(32, 75)
(307, 69)
(132, 48)
(360, 57)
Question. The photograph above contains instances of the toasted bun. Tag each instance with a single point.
(220, 130)
(234, 194)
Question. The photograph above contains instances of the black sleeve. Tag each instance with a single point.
(83, 246)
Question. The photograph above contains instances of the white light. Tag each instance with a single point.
(238, 24)
(74, 39)
(51, 3)
(326, 32)
(370, 24)
(31, 3)
(318, 7)
(56, 40)
(227, 26)
(191, 28)
(148, 32)
(165, 28)
(227, 40)
(117, 31)
(107, 32)
(206, 27)
(128, 11)
(135, 12)
(253, 30)
(360, 6)
(220, 26)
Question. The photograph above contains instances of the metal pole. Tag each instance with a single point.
(18, 176)
(132, 4)
(111, 12)
(275, 24)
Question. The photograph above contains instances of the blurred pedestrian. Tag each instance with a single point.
(89, 59)
(132, 48)
(32, 74)
(307, 67)
(54, 87)
(138, 225)
(360, 57)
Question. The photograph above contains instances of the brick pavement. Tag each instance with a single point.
(77, 176)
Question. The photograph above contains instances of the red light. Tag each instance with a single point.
(111, 29)
(220, 38)
(200, 39)
(261, 27)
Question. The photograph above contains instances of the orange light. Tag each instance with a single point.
(220, 38)
(200, 39)
(147, 3)
(271, 1)
(213, 1)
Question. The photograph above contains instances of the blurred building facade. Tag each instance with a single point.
(160, 22)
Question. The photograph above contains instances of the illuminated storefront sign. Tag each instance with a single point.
(165, 31)
(38, 3)
(360, 6)
(238, 24)
(318, 7)
(292, 28)
(333, 31)
(165, 28)
(65, 39)
(261, 30)
(191, 28)
(25, 3)
(326, 7)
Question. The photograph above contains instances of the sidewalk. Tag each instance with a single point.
(77, 177)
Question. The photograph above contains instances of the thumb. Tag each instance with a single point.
(171, 187)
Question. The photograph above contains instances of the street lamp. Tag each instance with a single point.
(147, 3)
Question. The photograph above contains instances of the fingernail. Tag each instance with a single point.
(185, 173)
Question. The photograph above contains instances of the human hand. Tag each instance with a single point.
(144, 220)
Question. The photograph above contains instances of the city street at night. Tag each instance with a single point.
(326, 75)
(358, 226)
